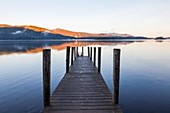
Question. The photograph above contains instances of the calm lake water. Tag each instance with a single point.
(144, 83)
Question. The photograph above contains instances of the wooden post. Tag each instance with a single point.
(72, 51)
(67, 59)
(82, 52)
(91, 53)
(94, 56)
(77, 52)
(116, 76)
(88, 51)
(99, 59)
(46, 76)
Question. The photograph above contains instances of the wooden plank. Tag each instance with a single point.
(81, 111)
(82, 90)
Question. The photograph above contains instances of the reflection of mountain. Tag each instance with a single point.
(34, 32)
(81, 44)
(19, 47)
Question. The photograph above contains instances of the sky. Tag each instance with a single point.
(149, 18)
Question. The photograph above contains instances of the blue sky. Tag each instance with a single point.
(140, 18)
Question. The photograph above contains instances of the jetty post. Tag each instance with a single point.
(67, 59)
(46, 76)
(82, 54)
(99, 59)
(91, 53)
(88, 51)
(116, 75)
(94, 56)
(72, 53)
(74, 58)
(75, 53)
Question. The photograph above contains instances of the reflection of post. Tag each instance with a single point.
(72, 51)
(67, 59)
(82, 52)
(116, 75)
(99, 59)
(88, 51)
(91, 53)
(46, 76)
(94, 56)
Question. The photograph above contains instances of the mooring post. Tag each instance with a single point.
(91, 53)
(88, 51)
(116, 76)
(77, 52)
(67, 59)
(46, 76)
(82, 52)
(75, 55)
(99, 59)
(72, 52)
(94, 56)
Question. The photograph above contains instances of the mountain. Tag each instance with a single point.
(8, 32)
(34, 28)
(5, 25)
(34, 32)
(66, 32)
(84, 34)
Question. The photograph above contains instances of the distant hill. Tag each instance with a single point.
(162, 38)
(34, 28)
(84, 34)
(34, 32)
(5, 25)
(67, 32)
(21, 33)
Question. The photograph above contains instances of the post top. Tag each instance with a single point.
(46, 49)
(117, 49)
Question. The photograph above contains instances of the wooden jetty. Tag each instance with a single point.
(82, 89)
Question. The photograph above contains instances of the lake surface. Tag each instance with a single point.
(144, 82)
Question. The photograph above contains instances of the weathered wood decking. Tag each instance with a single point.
(82, 90)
